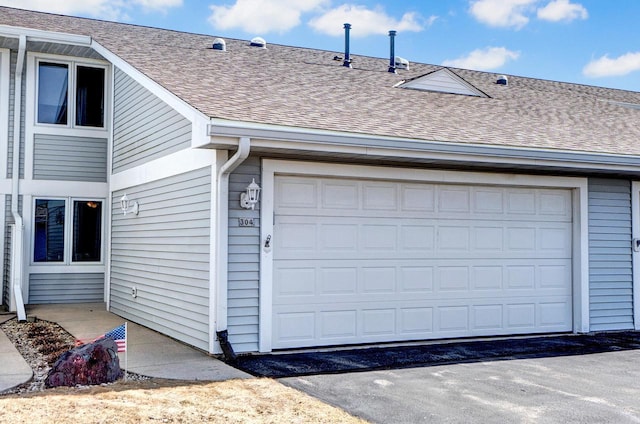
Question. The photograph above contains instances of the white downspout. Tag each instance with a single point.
(222, 230)
(17, 249)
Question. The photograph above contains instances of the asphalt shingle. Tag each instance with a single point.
(307, 88)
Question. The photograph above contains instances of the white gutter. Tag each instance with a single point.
(17, 249)
(222, 231)
(277, 137)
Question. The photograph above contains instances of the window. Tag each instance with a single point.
(50, 231)
(87, 229)
(53, 90)
(84, 85)
(90, 97)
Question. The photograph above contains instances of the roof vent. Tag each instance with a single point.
(258, 42)
(502, 80)
(347, 58)
(219, 44)
(392, 48)
(401, 63)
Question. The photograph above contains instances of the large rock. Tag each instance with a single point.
(92, 363)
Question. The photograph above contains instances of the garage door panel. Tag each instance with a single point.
(335, 238)
(331, 197)
(369, 280)
(391, 261)
(412, 320)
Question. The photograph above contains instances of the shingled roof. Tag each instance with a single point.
(307, 88)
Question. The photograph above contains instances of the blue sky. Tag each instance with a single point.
(595, 42)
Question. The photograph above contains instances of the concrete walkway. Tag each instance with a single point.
(148, 352)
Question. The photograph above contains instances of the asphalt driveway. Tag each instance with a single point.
(590, 388)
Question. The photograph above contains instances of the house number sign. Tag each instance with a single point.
(246, 222)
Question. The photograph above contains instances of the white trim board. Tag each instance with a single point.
(164, 167)
(271, 168)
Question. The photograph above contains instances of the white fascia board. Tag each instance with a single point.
(46, 36)
(182, 107)
(224, 134)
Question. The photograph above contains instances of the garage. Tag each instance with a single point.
(368, 260)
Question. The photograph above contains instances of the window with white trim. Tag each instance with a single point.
(70, 94)
(57, 242)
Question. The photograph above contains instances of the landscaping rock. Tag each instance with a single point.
(89, 364)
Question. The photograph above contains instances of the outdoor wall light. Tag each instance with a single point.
(128, 206)
(249, 198)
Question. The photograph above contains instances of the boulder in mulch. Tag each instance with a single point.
(89, 364)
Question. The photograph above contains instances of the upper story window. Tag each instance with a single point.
(71, 94)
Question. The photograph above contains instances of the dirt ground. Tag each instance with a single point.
(169, 401)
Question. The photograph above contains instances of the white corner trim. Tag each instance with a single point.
(635, 233)
(266, 256)
(270, 168)
(581, 322)
(164, 167)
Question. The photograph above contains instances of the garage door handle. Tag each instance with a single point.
(636, 245)
(267, 244)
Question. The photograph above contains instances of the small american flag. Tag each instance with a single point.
(119, 335)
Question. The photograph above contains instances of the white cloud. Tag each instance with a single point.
(483, 59)
(607, 67)
(262, 16)
(366, 21)
(103, 9)
(562, 10)
(502, 13)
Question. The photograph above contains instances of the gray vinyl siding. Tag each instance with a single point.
(68, 158)
(164, 252)
(66, 288)
(12, 94)
(244, 262)
(145, 128)
(610, 262)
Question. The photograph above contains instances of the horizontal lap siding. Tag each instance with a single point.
(10, 139)
(244, 262)
(69, 158)
(66, 288)
(164, 253)
(145, 128)
(610, 266)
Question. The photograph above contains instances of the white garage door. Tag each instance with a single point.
(358, 261)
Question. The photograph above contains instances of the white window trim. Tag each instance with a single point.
(635, 234)
(67, 265)
(32, 127)
(72, 68)
(271, 168)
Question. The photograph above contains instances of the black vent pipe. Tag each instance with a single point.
(347, 59)
(392, 53)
